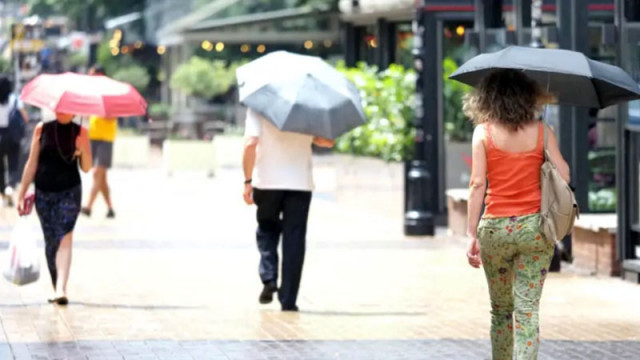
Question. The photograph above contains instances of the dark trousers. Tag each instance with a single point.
(282, 212)
(9, 152)
(58, 213)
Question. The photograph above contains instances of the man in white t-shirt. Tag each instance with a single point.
(278, 179)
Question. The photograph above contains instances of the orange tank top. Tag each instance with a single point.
(514, 179)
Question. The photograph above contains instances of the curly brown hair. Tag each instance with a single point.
(507, 97)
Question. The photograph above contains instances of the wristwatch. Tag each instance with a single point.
(247, 182)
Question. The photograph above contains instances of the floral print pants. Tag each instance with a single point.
(516, 258)
(58, 212)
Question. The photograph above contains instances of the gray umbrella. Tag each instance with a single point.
(300, 93)
(571, 76)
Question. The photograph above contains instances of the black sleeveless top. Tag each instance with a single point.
(57, 168)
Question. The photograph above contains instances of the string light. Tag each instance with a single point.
(161, 50)
(308, 44)
(261, 48)
(219, 46)
(207, 45)
(245, 48)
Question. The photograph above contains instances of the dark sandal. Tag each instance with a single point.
(63, 300)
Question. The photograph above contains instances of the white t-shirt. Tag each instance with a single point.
(283, 159)
(5, 110)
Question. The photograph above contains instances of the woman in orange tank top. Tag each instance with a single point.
(507, 241)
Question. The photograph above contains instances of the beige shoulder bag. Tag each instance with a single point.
(558, 209)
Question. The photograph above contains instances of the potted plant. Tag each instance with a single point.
(228, 146)
(388, 101)
(131, 149)
(386, 141)
(180, 153)
(160, 111)
(189, 148)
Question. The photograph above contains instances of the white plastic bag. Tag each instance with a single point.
(23, 260)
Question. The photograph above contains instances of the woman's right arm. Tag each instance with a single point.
(477, 190)
(25, 115)
(556, 156)
(32, 164)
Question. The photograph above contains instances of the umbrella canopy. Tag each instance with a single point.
(78, 94)
(571, 76)
(300, 93)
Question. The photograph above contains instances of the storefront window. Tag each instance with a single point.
(602, 138)
(404, 45)
(368, 45)
(458, 129)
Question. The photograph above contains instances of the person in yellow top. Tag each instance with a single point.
(102, 133)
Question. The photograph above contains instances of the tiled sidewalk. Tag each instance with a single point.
(174, 277)
(446, 349)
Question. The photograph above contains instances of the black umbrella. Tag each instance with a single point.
(571, 76)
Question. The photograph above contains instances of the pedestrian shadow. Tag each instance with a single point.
(362, 313)
(28, 305)
(73, 304)
(133, 307)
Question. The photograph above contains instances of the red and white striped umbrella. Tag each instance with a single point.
(79, 94)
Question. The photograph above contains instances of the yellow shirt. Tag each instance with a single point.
(103, 129)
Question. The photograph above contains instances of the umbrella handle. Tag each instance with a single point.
(546, 106)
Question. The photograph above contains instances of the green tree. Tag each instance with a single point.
(135, 75)
(86, 14)
(254, 6)
(204, 79)
(112, 63)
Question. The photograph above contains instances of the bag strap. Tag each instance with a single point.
(545, 141)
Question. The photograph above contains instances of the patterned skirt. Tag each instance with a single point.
(58, 213)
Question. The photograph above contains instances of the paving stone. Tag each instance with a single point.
(173, 278)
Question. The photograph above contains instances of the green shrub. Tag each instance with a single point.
(388, 99)
(457, 126)
(135, 75)
(203, 78)
(603, 200)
